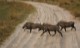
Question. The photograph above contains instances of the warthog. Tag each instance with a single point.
(48, 27)
(30, 25)
(64, 25)
(27, 25)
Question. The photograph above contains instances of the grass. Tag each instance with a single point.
(11, 14)
(72, 5)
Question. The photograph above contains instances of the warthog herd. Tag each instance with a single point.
(48, 27)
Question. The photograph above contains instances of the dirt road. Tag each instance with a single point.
(48, 14)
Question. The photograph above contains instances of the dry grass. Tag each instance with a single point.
(11, 14)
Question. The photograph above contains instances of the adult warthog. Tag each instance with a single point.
(65, 24)
(48, 28)
(30, 25)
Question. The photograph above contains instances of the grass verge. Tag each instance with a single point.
(11, 14)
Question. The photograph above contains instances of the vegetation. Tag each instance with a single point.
(72, 5)
(11, 14)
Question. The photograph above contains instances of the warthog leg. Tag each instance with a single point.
(63, 28)
(43, 32)
(30, 30)
(60, 33)
(73, 27)
(49, 32)
(46, 31)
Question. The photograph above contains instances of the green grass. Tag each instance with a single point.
(72, 5)
(11, 14)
